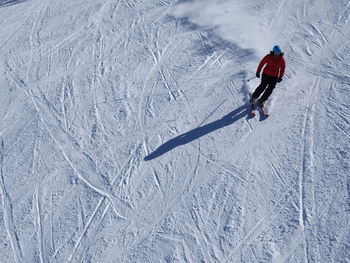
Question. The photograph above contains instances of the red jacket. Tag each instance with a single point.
(275, 66)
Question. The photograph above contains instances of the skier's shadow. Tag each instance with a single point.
(196, 133)
(6, 3)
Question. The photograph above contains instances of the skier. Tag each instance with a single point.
(273, 73)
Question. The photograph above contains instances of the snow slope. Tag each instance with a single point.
(125, 136)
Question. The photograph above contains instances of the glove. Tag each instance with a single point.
(257, 74)
(279, 80)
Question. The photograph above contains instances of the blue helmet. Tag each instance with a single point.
(277, 49)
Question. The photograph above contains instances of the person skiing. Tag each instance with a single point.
(272, 74)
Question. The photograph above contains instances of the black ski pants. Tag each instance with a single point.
(266, 81)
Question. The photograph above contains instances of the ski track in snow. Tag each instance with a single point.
(8, 213)
(91, 89)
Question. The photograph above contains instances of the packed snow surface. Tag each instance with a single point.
(125, 133)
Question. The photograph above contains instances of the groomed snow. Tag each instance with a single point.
(125, 134)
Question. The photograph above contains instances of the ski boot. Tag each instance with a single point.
(260, 103)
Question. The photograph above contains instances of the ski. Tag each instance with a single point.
(252, 105)
(252, 109)
(264, 111)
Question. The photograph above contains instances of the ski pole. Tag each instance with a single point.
(251, 78)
